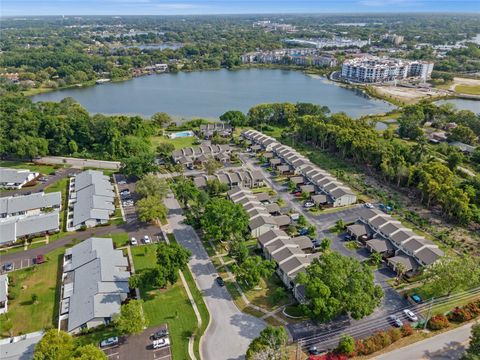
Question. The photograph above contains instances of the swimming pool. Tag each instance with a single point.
(181, 134)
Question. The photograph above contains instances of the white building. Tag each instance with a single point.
(370, 69)
(16, 178)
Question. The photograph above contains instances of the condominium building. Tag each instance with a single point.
(303, 57)
(370, 69)
(16, 178)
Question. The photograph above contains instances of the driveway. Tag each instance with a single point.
(230, 331)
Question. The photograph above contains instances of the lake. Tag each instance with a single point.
(209, 94)
(463, 104)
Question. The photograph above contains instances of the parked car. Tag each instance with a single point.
(303, 232)
(410, 315)
(125, 192)
(348, 237)
(146, 239)
(308, 204)
(157, 344)
(133, 241)
(127, 203)
(395, 321)
(39, 259)
(369, 206)
(109, 342)
(160, 334)
(416, 298)
(312, 350)
(294, 216)
(220, 281)
(8, 267)
(297, 193)
(42, 179)
(122, 182)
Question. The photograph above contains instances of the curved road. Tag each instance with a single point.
(230, 331)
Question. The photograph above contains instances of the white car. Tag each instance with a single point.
(109, 342)
(157, 344)
(369, 206)
(122, 182)
(146, 239)
(133, 241)
(410, 315)
(308, 204)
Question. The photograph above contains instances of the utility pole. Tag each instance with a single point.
(428, 313)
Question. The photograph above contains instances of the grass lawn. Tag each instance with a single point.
(41, 280)
(468, 89)
(62, 186)
(42, 169)
(119, 239)
(144, 256)
(179, 143)
(266, 297)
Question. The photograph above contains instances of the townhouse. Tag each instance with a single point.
(16, 178)
(94, 285)
(3, 293)
(396, 243)
(17, 227)
(222, 129)
(316, 180)
(190, 156)
(32, 204)
(242, 178)
(91, 200)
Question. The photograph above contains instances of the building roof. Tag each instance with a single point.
(401, 258)
(263, 196)
(3, 287)
(304, 242)
(414, 244)
(272, 235)
(282, 220)
(380, 221)
(307, 188)
(297, 180)
(319, 199)
(380, 245)
(401, 236)
(275, 161)
(99, 279)
(283, 168)
(272, 208)
(428, 255)
(358, 229)
(15, 204)
(391, 228)
(18, 226)
(261, 221)
(16, 176)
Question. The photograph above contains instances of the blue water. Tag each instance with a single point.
(183, 134)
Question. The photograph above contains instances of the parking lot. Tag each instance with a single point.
(139, 347)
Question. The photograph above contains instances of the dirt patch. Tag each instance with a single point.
(407, 95)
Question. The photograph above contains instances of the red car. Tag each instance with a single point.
(39, 259)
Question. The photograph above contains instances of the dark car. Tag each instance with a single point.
(8, 267)
(312, 350)
(220, 281)
(159, 334)
(303, 232)
(39, 259)
(395, 321)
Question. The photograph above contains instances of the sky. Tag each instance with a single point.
(203, 7)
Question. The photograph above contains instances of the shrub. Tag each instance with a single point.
(359, 347)
(346, 345)
(406, 330)
(459, 315)
(369, 346)
(382, 339)
(395, 334)
(438, 322)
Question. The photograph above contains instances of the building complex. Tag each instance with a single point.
(16, 178)
(370, 69)
(303, 57)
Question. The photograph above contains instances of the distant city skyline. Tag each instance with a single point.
(206, 7)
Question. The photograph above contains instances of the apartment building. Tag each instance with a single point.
(16, 178)
(302, 57)
(29, 204)
(243, 178)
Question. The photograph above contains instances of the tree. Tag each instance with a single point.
(172, 258)
(151, 208)
(164, 150)
(376, 258)
(270, 344)
(463, 134)
(252, 270)
(54, 345)
(89, 352)
(454, 159)
(161, 119)
(185, 190)
(473, 350)
(151, 185)
(312, 231)
(302, 221)
(138, 165)
(235, 118)
(238, 250)
(346, 345)
(325, 244)
(452, 273)
(211, 165)
(336, 285)
(131, 319)
(215, 187)
(340, 225)
(224, 220)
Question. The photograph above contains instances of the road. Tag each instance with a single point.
(230, 331)
(392, 302)
(447, 346)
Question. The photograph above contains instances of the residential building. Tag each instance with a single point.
(201, 154)
(32, 204)
(370, 69)
(3, 293)
(17, 227)
(222, 129)
(94, 284)
(91, 199)
(242, 178)
(20, 347)
(297, 56)
(16, 178)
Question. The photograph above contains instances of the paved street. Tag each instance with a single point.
(230, 331)
(447, 346)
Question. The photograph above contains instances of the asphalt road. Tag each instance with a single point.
(230, 331)
(447, 346)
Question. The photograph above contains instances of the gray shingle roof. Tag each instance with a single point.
(100, 281)
(429, 255)
(380, 245)
(16, 176)
(15, 227)
(3, 287)
(15, 204)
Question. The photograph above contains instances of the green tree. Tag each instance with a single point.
(161, 119)
(252, 270)
(269, 345)
(185, 190)
(89, 352)
(346, 345)
(172, 258)
(452, 273)
(238, 250)
(212, 165)
(164, 150)
(336, 285)
(454, 159)
(473, 350)
(463, 134)
(235, 118)
(131, 319)
(215, 187)
(376, 258)
(34, 298)
(151, 185)
(138, 165)
(151, 208)
(302, 221)
(54, 345)
(325, 244)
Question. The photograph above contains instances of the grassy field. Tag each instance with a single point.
(265, 296)
(179, 143)
(42, 280)
(62, 186)
(468, 89)
(170, 305)
(42, 169)
(119, 239)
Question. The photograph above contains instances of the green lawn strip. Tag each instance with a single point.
(12, 250)
(468, 89)
(264, 297)
(144, 256)
(96, 336)
(43, 281)
(179, 143)
(119, 239)
(42, 169)
(62, 186)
